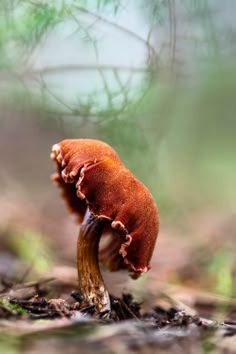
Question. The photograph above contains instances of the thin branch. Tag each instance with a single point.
(149, 34)
(87, 31)
(85, 67)
(150, 58)
(172, 30)
(125, 88)
(117, 27)
(56, 98)
(170, 25)
(106, 88)
(174, 35)
(73, 112)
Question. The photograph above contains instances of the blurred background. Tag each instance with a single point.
(156, 80)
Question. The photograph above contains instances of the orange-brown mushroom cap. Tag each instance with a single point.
(91, 174)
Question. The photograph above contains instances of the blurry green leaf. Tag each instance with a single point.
(19, 310)
(36, 22)
(9, 344)
(220, 267)
(30, 246)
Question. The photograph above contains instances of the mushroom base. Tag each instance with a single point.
(91, 283)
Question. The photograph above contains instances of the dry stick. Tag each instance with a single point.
(198, 297)
(130, 312)
(13, 290)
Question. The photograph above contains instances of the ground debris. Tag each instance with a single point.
(42, 319)
(41, 308)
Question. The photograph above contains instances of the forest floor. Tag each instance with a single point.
(175, 308)
(32, 320)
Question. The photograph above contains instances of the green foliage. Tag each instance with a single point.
(190, 134)
(220, 268)
(17, 309)
(36, 22)
(25, 23)
(9, 344)
(156, 11)
(100, 5)
(23, 27)
(29, 245)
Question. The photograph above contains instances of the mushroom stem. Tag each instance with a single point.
(91, 283)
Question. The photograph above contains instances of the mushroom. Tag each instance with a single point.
(110, 203)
